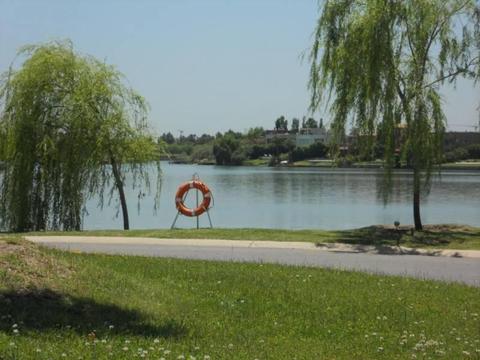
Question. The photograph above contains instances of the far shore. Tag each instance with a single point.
(326, 163)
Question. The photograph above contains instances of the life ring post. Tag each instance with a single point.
(203, 207)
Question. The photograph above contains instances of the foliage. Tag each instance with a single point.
(168, 138)
(311, 123)
(383, 62)
(295, 125)
(255, 133)
(316, 150)
(202, 152)
(224, 149)
(71, 130)
(281, 123)
(463, 153)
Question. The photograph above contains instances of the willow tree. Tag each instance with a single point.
(380, 64)
(70, 130)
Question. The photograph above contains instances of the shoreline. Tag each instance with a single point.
(328, 164)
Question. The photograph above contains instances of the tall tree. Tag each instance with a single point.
(281, 124)
(311, 123)
(72, 130)
(295, 125)
(383, 63)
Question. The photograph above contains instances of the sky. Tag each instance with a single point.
(203, 66)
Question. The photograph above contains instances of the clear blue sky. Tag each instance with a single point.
(204, 65)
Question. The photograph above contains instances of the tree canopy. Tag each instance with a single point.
(71, 129)
(380, 64)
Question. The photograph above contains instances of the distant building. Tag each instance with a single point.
(309, 136)
(278, 134)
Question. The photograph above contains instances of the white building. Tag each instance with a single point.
(307, 137)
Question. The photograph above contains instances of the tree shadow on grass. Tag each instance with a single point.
(435, 235)
(43, 310)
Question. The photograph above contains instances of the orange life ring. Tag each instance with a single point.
(183, 189)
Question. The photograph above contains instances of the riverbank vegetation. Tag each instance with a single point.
(56, 305)
(253, 149)
(459, 237)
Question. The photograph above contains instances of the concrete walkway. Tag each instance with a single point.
(447, 265)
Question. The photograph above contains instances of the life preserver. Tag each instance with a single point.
(183, 189)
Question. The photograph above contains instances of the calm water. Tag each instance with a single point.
(299, 199)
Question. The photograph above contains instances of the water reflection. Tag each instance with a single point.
(303, 198)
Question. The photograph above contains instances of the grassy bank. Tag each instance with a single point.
(56, 305)
(437, 236)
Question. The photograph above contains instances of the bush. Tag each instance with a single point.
(456, 155)
(202, 152)
(316, 150)
(474, 151)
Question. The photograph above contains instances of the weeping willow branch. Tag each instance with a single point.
(64, 116)
(374, 58)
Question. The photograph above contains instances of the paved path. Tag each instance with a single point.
(458, 267)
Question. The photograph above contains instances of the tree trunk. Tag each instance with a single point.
(121, 192)
(416, 200)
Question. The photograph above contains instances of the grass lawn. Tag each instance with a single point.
(56, 305)
(435, 237)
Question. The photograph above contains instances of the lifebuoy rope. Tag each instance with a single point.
(182, 192)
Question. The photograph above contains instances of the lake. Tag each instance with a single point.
(299, 198)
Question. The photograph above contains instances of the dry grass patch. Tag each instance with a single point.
(23, 266)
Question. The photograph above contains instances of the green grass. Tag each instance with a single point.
(256, 162)
(434, 237)
(463, 165)
(119, 307)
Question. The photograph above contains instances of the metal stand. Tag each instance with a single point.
(194, 177)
